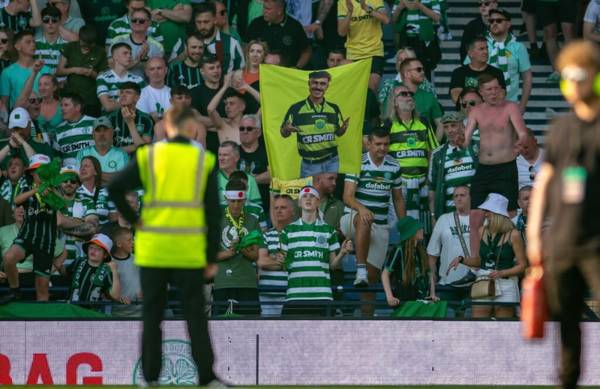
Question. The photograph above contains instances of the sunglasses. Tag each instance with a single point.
(496, 21)
(486, 3)
(419, 69)
(246, 129)
(405, 94)
(470, 103)
(4, 41)
(531, 173)
(35, 100)
(49, 19)
(72, 182)
(139, 21)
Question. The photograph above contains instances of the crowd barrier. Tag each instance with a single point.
(284, 352)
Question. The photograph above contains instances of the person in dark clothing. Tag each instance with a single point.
(281, 32)
(567, 193)
(175, 234)
(477, 26)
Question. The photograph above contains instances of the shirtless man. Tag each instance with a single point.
(498, 120)
(235, 105)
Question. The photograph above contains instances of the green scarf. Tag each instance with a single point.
(499, 57)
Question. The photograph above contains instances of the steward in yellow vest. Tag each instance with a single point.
(177, 234)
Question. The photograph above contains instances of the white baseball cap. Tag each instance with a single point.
(38, 160)
(100, 240)
(496, 203)
(19, 118)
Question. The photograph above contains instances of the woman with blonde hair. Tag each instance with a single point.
(254, 53)
(501, 258)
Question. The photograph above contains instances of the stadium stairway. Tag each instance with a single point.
(546, 100)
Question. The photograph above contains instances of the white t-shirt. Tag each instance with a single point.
(592, 14)
(527, 170)
(154, 100)
(444, 243)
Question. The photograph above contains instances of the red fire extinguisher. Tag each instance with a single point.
(534, 308)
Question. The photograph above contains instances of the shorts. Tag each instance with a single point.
(507, 290)
(501, 178)
(563, 11)
(42, 261)
(528, 6)
(377, 65)
(309, 169)
(378, 245)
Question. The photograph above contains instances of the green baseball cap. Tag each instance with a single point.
(452, 117)
(407, 227)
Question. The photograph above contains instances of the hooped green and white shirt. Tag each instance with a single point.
(307, 248)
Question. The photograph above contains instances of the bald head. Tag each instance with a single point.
(156, 71)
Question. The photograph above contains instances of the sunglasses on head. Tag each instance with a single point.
(246, 129)
(471, 103)
(35, 100)
(48, 19)
(405, 93)
(497, 21)
(139, 20)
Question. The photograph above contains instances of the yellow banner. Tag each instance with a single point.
(324, 133)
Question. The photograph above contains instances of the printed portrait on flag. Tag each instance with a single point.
(313, 120)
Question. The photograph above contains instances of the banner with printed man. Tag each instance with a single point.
(318, 133)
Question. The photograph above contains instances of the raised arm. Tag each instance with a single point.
(471, 125)
(213, 113)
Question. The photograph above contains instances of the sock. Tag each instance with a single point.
(361, 270)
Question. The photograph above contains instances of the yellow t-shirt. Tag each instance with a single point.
(365, 34)
(289, 187)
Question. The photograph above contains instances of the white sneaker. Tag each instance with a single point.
(361, 280)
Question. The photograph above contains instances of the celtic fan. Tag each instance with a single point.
(309, 246)
(317, 123)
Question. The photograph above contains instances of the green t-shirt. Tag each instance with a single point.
(307, 248)
(95, 59)
(237, 271)
(39, 148)
(427, 105)
(171, 31)
(13, 79)
(113, 161)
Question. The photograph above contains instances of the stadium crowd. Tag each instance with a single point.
(441, 199)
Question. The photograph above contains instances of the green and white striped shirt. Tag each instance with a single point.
(102, 207)
(122, 26)
(230, 50)
(69, 137)
(307, 248)
(7, 191)
(50, 53)
(459, 168)
(375, 184)
(109, 83)
(272, 278)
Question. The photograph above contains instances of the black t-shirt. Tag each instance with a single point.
(288, 37)
(465, 77)
(255, 162)
(474, 28)
(574, 229)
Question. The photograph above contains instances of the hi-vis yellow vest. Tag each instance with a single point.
(173, 231)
